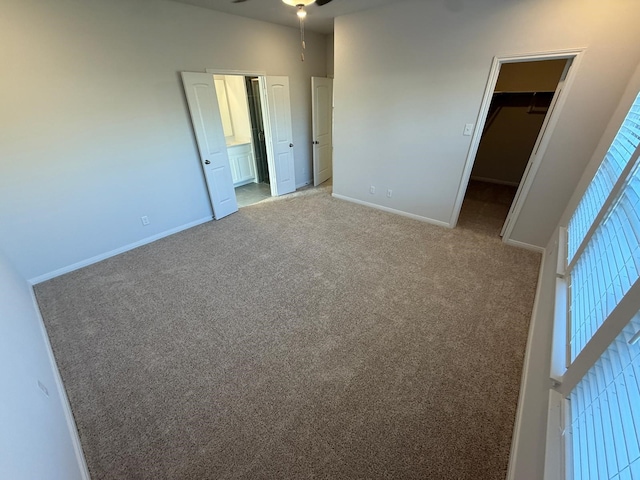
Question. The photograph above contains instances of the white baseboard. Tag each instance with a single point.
(392, 210)
(112, 253)
(62, 394)
(527, 246)
(495, 181)
(515, 440)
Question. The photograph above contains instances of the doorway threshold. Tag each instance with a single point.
(252, 193)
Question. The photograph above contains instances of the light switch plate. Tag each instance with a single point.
(468, 129)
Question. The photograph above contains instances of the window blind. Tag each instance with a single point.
(619, 153)
(608, 267)
(607, 260)
(605, 413)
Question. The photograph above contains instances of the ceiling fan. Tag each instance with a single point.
(295, 3)
(302, 13)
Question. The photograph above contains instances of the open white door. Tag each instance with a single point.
(322, 108)
(207, 125)
(279, 135)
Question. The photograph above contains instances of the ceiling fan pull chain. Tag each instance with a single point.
(304, 45)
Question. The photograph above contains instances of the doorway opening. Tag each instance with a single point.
(520, 108)
(519, 105)
(240, 106)
(213, 99)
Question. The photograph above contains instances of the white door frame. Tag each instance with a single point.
(265, 114)
(543, 139)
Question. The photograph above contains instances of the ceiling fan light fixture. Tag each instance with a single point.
(302, 14)
(295, 3)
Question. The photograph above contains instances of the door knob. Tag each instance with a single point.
(291, 145)
(207, 162)
(315, 142)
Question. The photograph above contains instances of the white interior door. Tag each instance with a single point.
(279, 135)
(207, 125)
(322, 108)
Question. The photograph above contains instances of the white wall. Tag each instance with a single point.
(408, 79)
(95, 129)
(330, 56)
(35, 440)
(528, 452)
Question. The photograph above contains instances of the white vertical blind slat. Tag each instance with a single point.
(598, 436)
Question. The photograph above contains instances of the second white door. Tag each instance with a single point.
(322, 110)
(279, 135)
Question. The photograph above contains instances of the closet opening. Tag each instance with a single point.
(513, 130)
(518, 111)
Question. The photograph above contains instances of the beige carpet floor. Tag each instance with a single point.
(299, 338)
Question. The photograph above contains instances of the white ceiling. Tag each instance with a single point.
(319, 19)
